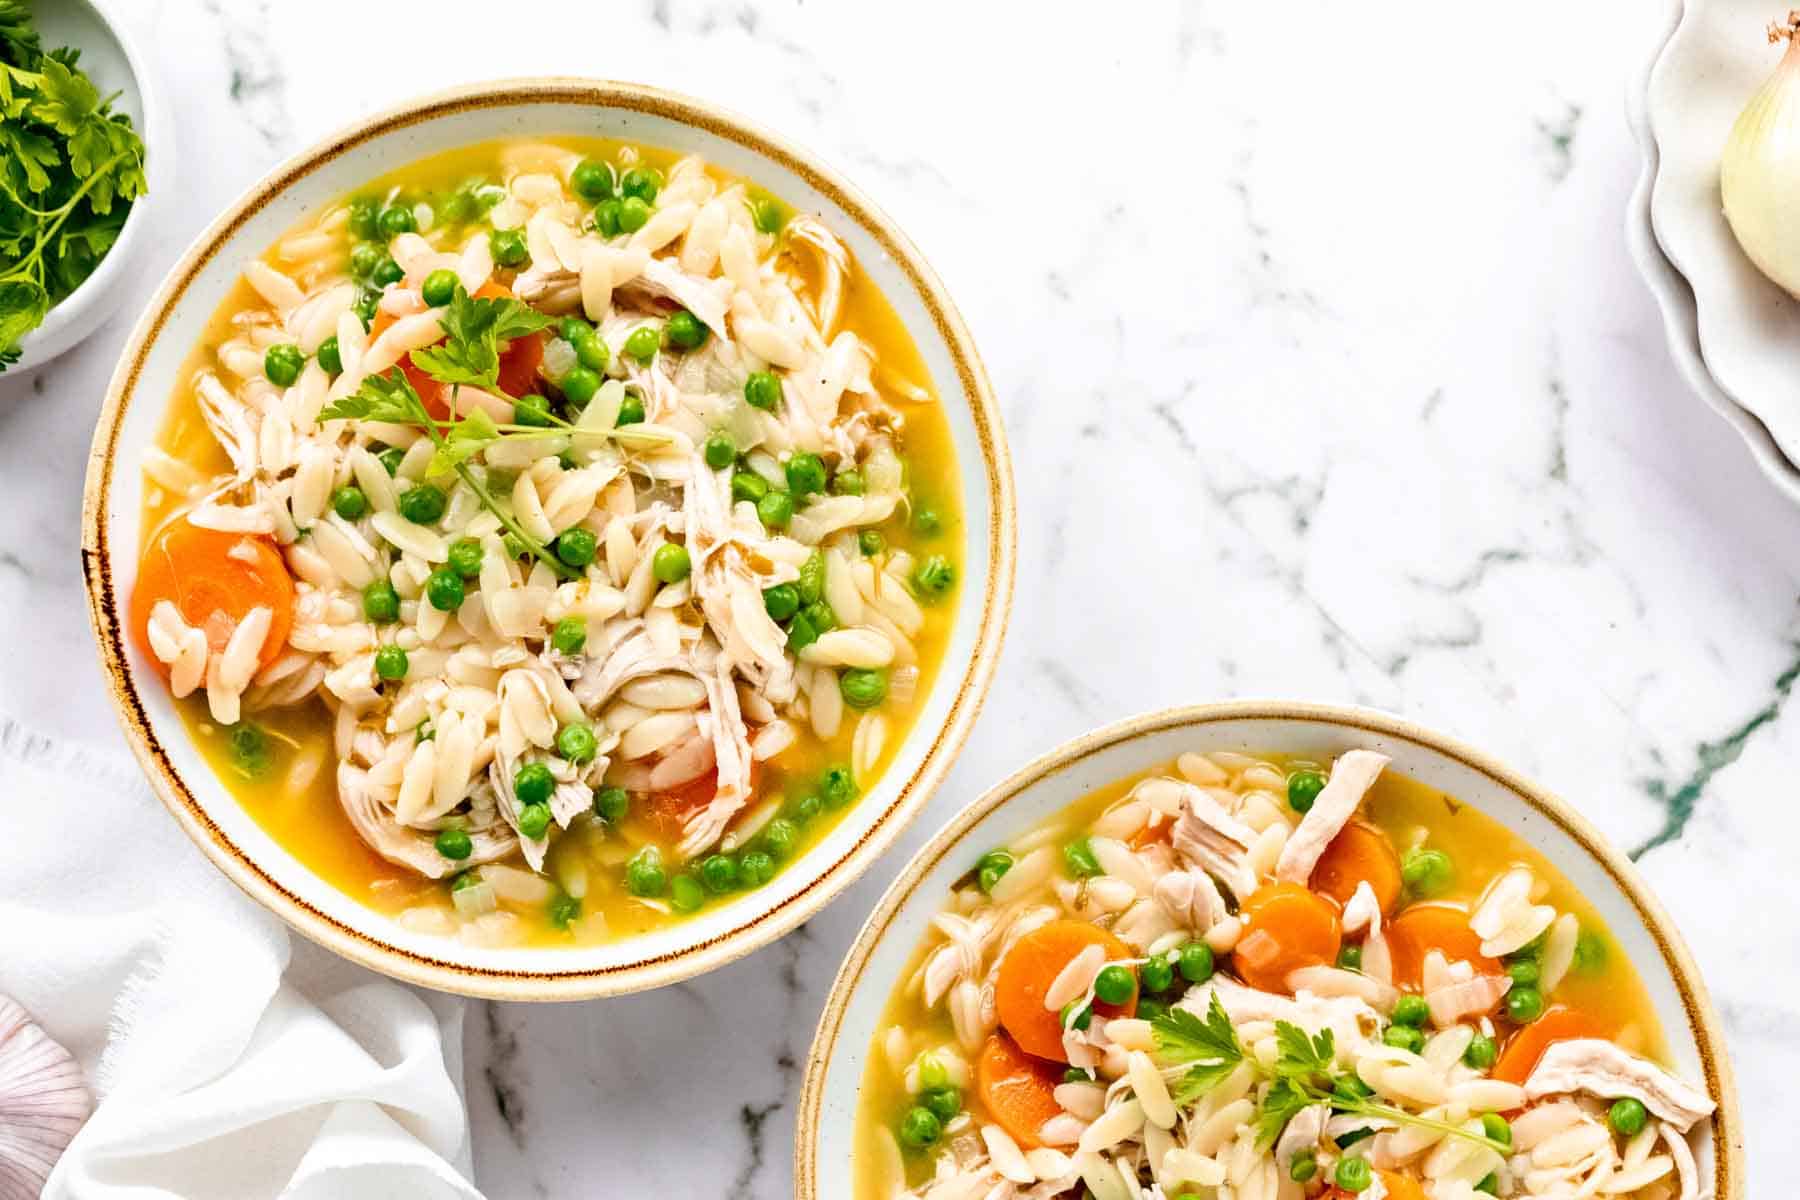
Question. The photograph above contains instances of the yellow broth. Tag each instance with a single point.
(1411, 814)
(294, 797)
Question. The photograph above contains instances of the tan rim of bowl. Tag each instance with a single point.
(1703, 1020)
(442, 972)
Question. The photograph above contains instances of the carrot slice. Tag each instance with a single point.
(214, 579)
(1528, 1043)
(1286, 927)
(1361, 853)
(1401, 1187)
(1029, 969)
(1422, 928)
(1017, 1091)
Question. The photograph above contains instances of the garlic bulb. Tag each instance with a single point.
(43, 1101)
(1759, 177)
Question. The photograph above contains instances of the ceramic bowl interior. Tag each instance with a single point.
(135, 409)
(824, 1132)
(111, 60)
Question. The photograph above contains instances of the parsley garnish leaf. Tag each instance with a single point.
(1210, 1045)
(473, 331)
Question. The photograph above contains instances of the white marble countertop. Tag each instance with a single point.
(1326, 376)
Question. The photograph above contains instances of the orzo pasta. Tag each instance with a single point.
(551, 539)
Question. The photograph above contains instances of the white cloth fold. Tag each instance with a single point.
(227, 1060)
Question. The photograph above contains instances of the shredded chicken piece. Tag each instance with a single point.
(376, 824)
(1601, 1068)
(1352, 775)
(1215, 840)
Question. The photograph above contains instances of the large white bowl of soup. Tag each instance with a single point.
(546, 540)
(1272, 951)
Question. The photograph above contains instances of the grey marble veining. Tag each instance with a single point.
(1325, 373)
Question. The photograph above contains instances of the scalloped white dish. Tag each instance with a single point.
(1743, 354)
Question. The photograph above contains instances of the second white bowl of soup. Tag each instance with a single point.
(548, 539)
(1271, 951)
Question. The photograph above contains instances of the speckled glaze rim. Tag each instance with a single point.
(759, 929)
(1703, 1019)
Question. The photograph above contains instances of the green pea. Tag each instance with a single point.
(943, 1101)
(458, 208)
(569, 636)
(1590, 952)
(634, 214)
(1404, 1037)
(397, 219)
(641, 182)
(1525, 972)
(848, 483)
(1524, 1005)
(591, 352)
(926, 522)
(579, 386)
(644, 874)
(1627, 1116)
(1427, 872)
(607, 218)
(1353, 1174)
(801, 633)
(349, 502)
(775, 510)
(991, 869)
(1495, 1129)
(805, 474)
(838, 786)
(670, 563)
(423, 504)
(686, 894)
(331, 359)
(444, 590)
(811, 583)
(439, 287)
(1078, 857)
(611, 804)
(364, 217)
(1157, 974)
(454, 844)
(756, 869)
(1075, 1015)
(1303, 1167)
(767, 215)
(870, 542)
(364, 258)
(781, 601)
(807, 808)
(720, 450)
(1411, 1010)
(1150, 1010)
(642, 343)
(386, 271)
(1196, 962)
(592, 179)
(748, 485)
(920, 1128)
(862, 687)
(534, 784)
(684, 330)
(1114, 984)
(762, 390)
(1303, 787)
(781, 836)
(366, 301)
(381, 603)
(390, 662)
(1350, 957)
(563, 908)
(282, 363)
(719, 872)
(531, 410)
(631, 412)
(933, 578)
(576, 743)
(465, 557)
(1481, 1052)
(508, 248)
(576, 547)
(572, 328)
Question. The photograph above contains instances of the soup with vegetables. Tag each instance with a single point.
(550, 539)
(1249, 978)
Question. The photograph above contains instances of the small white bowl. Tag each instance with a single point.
(138, 400)
(824, 1130)
(110, 56)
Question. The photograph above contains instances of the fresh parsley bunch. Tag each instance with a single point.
(69, 169)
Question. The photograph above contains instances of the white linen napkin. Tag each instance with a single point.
(227, 1059)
